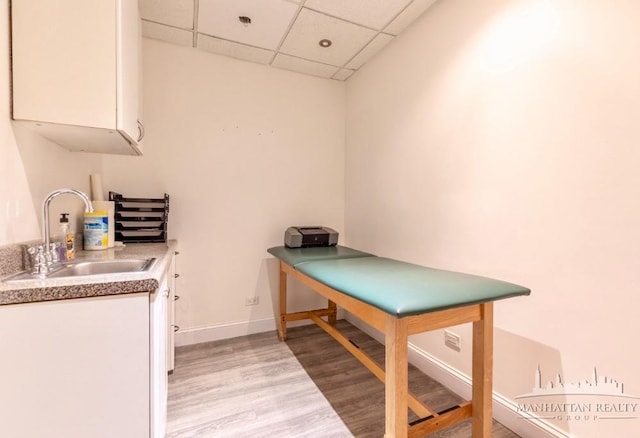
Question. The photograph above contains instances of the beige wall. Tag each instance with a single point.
(501, 138)
(244, 151)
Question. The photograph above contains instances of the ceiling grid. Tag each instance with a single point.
(327, 38)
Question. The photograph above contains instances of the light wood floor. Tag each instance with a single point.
(256, 386)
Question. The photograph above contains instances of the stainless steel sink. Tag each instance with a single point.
(88, 267)
(102, 267)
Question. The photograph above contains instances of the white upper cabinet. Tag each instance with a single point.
(76, 72)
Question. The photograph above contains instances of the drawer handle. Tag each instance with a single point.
(176, 252)
(176, 328)
(176, 297)
(176, 275)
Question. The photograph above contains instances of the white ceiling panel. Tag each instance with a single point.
(284, 33)
(270, 20)
(311, 27)
(235, 50)
(177, 13)
(408, 16)
(343, 74)
(372, 48)
(303, 66)
(372, 13)
(167, 33)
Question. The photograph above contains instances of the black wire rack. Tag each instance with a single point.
(140, 220)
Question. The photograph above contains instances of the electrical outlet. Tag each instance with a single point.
(452, 340)
(252, 301)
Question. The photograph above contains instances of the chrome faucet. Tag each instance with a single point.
(45, 255)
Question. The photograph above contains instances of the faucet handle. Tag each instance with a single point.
(37, 259)
(35, 250)
(54, 252)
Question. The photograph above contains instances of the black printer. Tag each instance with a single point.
(302, 237)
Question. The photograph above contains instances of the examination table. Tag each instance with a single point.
(400, 299)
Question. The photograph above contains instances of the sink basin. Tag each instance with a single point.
(102, 267)
(88, 267)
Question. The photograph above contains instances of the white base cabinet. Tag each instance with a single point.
(76, 368)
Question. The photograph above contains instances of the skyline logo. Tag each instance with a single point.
(597, 398)
(597, 385)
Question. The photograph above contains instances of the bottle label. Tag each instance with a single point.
(96, 232)
(70, 246)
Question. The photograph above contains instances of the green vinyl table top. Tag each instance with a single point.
(395, 287)
(295, 256)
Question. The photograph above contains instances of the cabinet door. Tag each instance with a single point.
(128, 70)
(75, 66)
(75, 368)
(159, 378)
(171, 319)
(64, 62)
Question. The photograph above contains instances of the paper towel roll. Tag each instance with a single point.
(110, 208)
(97, 193)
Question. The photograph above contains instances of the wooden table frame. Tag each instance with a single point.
(396, 331)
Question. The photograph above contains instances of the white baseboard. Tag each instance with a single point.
(504, 409)
(223, 331)
(232, 330)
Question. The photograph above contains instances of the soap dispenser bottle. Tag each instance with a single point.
(68, 238)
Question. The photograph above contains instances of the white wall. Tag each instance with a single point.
(244, 151)
(498, 138)
(501, 138)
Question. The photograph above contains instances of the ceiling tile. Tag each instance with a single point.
(167, 33)
(177, 13)
(270, 20)
(413, 11)
(368, 52)
(343, 74)
(310, 27)
(372, 13)
(235, 50)
(288, 27)
(303, 66)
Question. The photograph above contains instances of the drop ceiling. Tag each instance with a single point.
(284, 33)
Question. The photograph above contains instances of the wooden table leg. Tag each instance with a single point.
(396, 378)
(282, 305)
(334, 309)
(482, 373)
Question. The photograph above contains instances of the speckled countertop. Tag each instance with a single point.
(30, 291)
